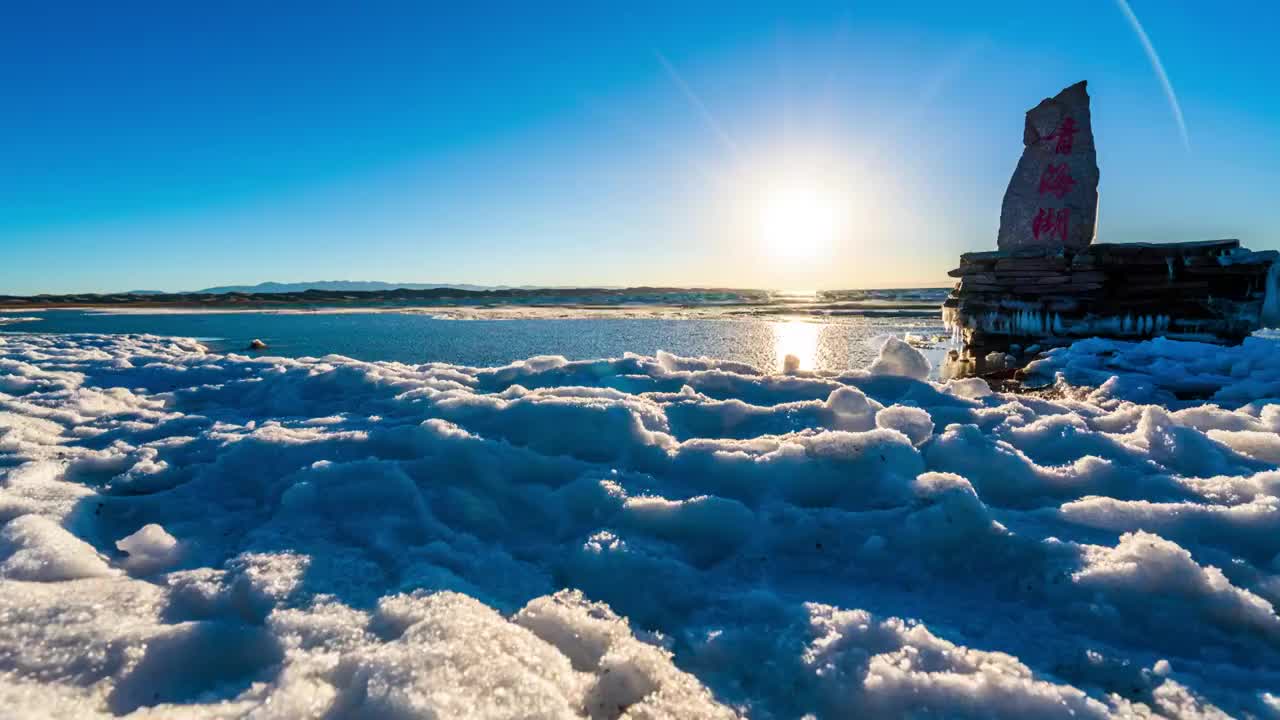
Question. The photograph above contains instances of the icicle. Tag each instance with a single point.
(1271, 303)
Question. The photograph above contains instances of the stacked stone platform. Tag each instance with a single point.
(1049, 283)
(1212, 291)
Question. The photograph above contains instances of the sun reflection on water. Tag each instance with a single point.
(796, 339)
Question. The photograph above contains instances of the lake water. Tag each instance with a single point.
(416, 338)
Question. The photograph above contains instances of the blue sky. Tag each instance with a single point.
(176, 146)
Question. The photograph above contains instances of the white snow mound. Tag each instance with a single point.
(187, 534)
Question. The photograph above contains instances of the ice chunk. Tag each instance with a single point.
(852, 409)
(899, 358)
(969, 388)
(912, 422)
(150, 549)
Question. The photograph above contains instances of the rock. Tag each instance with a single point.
(257, 344)
(1049, 283)
(1208, 291)
(1052, 199)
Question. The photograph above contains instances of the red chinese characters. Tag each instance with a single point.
(1050, 222)
(1065, 135)
(1056, 180)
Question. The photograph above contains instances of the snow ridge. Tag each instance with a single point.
(190, 534)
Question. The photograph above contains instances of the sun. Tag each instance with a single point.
(799, 221)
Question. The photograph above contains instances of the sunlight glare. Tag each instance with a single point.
(799, 221)
(797, 339)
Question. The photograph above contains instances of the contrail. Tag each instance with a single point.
(1159, 68)
(698, 105)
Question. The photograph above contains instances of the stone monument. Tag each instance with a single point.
(1052, 199)
(1049, 283)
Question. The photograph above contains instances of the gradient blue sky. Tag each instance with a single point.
(180, 145)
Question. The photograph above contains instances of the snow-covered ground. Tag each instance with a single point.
(188, 534)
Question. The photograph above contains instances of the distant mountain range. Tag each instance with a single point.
(341, 286)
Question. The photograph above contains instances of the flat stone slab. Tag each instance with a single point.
(1215, 288)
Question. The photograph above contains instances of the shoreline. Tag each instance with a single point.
(832, 312)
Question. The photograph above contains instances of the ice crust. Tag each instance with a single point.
(187, 534)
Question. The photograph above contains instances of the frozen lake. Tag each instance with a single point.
(831, 345)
